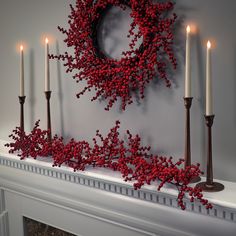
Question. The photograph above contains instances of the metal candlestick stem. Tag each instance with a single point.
(209, 185)
(188, 104)
(22, 101)
(48, 96)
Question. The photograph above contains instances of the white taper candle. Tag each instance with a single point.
(22, 89)
(209, 109)
(187, 63)
(47, 69)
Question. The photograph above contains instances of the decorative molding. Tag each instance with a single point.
(4, 224)
(2, 202)
(3, 216)
(161, 198)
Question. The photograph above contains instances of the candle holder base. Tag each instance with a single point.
(195, 180)
(214, 187)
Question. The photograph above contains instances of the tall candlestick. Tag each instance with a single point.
(209, 110)
(22, 89)
(187, 64)
(49, 128)
(188, 103)
(209, 185)
(47, 70)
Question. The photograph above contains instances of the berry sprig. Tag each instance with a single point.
(120, 79)
(134, 161)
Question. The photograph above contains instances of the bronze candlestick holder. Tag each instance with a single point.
(209, 185)
(22, 101)
(48, 96)
(187, 156)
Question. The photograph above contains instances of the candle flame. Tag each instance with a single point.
(188, 29)
(208, 44)
(21, 47)
(47, 37)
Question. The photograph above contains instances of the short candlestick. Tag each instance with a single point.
(22, 101)
(187, 157)
(49, 128)
(209, 185)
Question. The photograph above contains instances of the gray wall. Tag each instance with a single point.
(160, 117)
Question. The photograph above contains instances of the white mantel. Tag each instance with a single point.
(98, 202)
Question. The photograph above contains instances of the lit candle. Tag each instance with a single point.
(47, 71)
(209, 110)
(22, 90)
(187, 64)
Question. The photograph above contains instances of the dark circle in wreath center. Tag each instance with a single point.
(110, 32)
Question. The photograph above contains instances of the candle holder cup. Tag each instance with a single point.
(48, 96)
(209, 185)
(187, 157)
(22, 102)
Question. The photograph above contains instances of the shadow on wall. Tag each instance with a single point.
(235, 85)
(111, 21)
(201, 87)
(32, 87)
(60, 93)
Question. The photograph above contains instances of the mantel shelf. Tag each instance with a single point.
(110, 181)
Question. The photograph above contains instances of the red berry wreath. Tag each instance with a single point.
(113, 79)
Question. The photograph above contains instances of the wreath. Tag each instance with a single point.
(120, 79)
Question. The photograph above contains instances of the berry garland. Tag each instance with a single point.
(119, 79)
(130, 158)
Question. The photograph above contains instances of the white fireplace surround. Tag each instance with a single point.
(98, 202)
